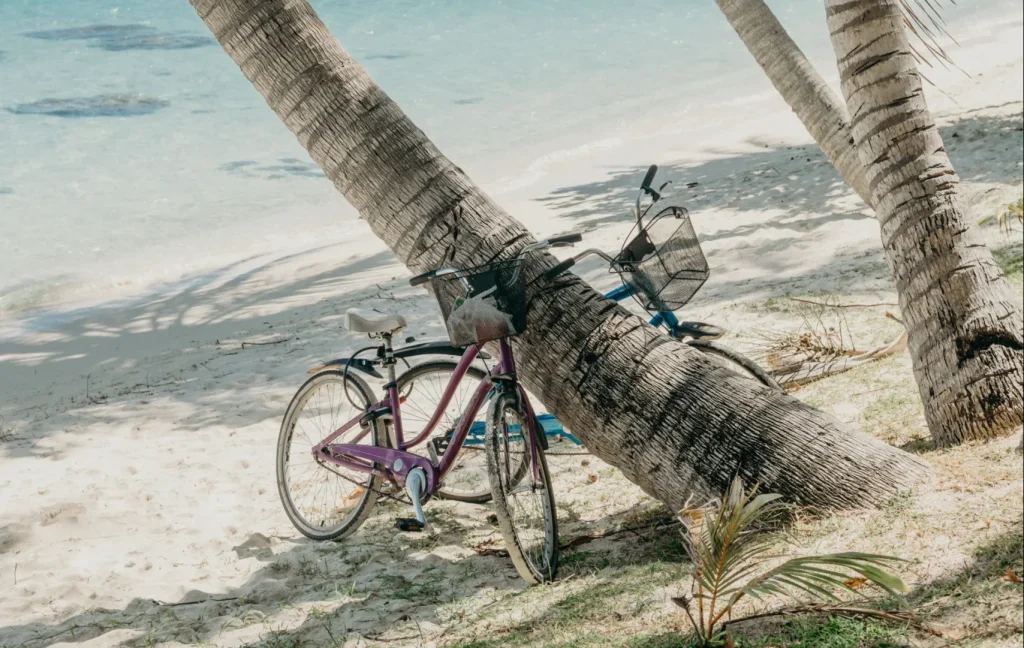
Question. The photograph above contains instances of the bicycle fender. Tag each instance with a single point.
(366, 366)
(441, 347)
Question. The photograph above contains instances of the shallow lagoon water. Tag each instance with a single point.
(173, 162)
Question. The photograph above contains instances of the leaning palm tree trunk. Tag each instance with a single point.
(822, 112)
(964, 327)
(673, 421)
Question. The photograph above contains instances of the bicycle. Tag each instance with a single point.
(662, 266)
(348, 459)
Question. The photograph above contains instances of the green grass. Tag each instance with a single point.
(798, 633)
(589, 616)
(424, 590)
(831, 633)
(1011, 260)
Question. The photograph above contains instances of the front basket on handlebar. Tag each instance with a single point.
(663, 262)
(484, 303)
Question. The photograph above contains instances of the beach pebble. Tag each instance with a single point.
(103, 105)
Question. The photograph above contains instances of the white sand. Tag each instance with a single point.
(136, 464)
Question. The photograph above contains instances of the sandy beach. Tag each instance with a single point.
(138, 504)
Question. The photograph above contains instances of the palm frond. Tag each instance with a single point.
(726, 549)
(923, 19)
(723, 545)
(822, 576)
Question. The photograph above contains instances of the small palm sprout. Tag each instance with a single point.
(1006, 216)
(727, 554)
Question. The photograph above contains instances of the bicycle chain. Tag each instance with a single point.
(380, 493)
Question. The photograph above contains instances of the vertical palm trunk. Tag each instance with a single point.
(814, 103)
(964, 328)
(673, 421)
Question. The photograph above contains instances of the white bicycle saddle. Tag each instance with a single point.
(360, 321)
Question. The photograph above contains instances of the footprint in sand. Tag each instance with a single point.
(61, 512)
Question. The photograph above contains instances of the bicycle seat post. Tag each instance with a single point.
(389, 356)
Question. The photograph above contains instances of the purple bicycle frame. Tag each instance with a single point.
(382, 461)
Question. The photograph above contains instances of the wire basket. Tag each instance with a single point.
(484, 303)
(663, 262)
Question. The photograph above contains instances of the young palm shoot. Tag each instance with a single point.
(729, 556)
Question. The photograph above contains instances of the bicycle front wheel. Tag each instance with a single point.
(737, 363)
(521, 487)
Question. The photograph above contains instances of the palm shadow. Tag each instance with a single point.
(376, 584)
(784, 201)
(102, 356)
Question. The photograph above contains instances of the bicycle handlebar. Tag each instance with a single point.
(565, 240)
(571, 261)
(649, 178)
(421, 279)
(560, 268)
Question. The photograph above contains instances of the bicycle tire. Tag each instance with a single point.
(370, 484)
(536, 559)
(736, 359)
(481, 492)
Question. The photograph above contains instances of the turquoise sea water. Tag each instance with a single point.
(98, 186)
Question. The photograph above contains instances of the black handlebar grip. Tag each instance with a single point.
(649, 178)
(565, 239)
(560, 268)
(421, 279)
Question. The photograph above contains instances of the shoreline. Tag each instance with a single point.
(676, 136)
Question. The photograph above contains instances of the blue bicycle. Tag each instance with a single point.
(661, 266)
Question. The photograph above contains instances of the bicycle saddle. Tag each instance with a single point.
(360, 321)
(700, 330)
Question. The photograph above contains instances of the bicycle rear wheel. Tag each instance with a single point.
(422, 387)
(324, 501)
(737, 363)
(521, 486)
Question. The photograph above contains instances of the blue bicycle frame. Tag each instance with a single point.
(668, 318)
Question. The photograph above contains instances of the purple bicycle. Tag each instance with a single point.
(339, 449)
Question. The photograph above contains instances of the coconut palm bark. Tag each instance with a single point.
(672, 420)
(964, 326)
(820, 109)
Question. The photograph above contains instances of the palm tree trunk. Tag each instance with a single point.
(673, 421)
(964, 327)
(822, 112)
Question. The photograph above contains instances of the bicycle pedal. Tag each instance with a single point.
(440, 444)
(411, 525)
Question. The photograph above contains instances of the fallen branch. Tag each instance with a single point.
(844, 611)
(827, 305)
(206, 600)
(245, 344)
(805, 372)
